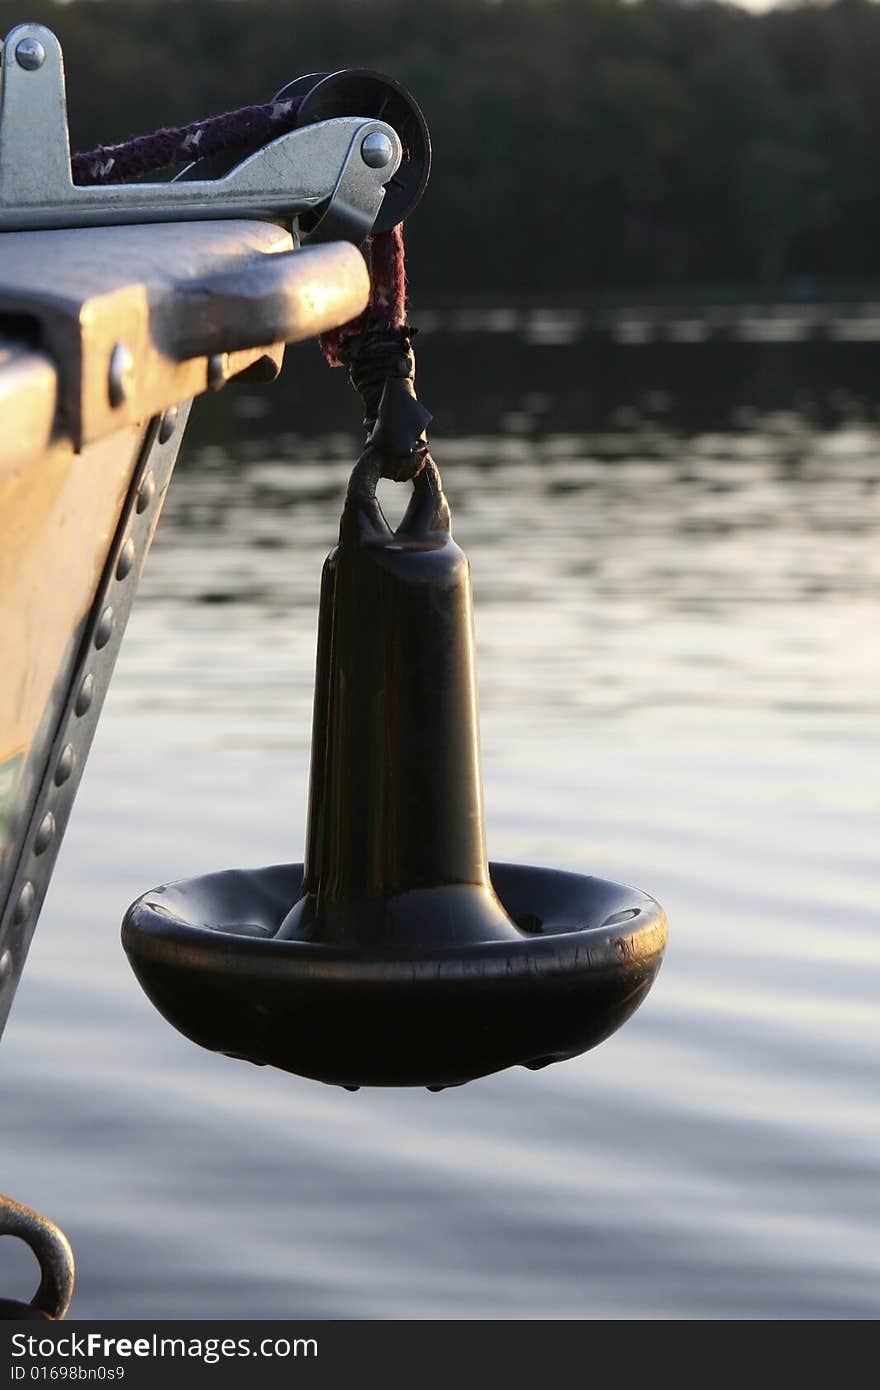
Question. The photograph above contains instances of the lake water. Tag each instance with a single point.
(676, 558)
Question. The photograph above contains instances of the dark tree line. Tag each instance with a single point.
(578, 143)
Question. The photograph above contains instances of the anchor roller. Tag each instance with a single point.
(369, 93)
(396, 954)
(323, 96)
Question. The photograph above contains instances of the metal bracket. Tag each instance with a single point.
(82, 697)
(139, 318)
(323, 165)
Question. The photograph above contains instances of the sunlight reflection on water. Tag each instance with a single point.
(679, 688)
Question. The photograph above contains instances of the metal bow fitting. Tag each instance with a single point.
(339, 167)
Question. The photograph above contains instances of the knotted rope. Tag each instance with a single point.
(242, 132)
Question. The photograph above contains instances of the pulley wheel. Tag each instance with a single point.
(362, 92)
(353, 92)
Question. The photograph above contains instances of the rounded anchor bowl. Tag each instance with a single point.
(583, 957)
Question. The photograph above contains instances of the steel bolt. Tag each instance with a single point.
(104, 628)
(168, 424)
(30, 54)
(25, 905)
(64, 766)
(376, 150)
(86, 695)
(218, 370)
(45, 834)
(121, 376)
(147, 492)
(126, 560)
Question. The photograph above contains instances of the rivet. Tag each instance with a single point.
(5, 966)
(147, 491)
(30, 54)
(218, 370)
(376, 150)
(64, 766)
(86, 695)
(104, 630)
(121, 375)
(126, 559)
(168, 424)
(25, 905)
(45, 834)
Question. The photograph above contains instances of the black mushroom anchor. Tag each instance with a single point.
(396, 955)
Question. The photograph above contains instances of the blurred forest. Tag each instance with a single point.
(579, 144)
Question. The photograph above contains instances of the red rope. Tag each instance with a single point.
(387, 305)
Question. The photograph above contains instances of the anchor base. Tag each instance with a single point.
(581, 957)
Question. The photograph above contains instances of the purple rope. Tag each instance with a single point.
(387, 306)
(242, 132)
(235, 132)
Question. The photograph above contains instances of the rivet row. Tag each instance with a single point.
(104, 629)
